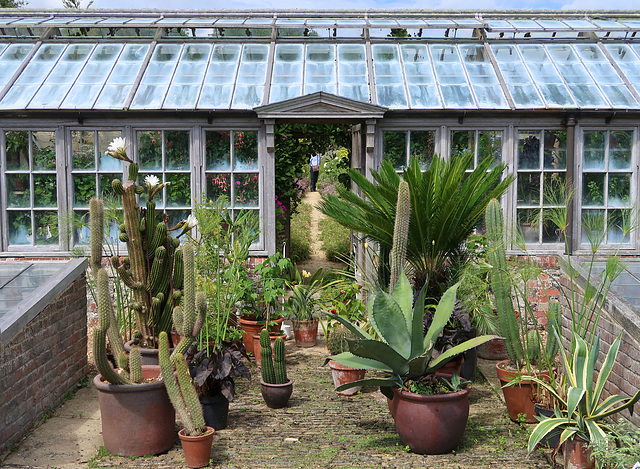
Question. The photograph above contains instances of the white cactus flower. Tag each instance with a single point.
(118, 149)
(192, 222)
(151, 180)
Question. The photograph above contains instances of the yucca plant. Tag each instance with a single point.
(446, 204)
(582, 413)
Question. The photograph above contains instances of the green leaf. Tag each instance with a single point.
(403, 294)
(457, 350)
(441, 316)
(574, 397)
(388, 320)
(359, 363)
(543, 428)
(382, 382)
(580, 363)
(381, 352)
(358, 331)
(607, 367)
(417, 326)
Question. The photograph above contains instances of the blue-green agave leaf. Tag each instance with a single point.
(403, 294)
(388, 320)
(359, 363)
(441, 316)
(379, 351)
(358, 331)
(390, 381)
(457, 350)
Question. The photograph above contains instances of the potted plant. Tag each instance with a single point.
(261, 301)
(222, 253)
(196, 436)
(304, 304)
(406, 355)
(581, 415)
(137, 417)
(275, 386)
(341, 374)
(529, 354)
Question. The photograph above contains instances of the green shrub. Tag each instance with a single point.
(335, 239)
(301, 234)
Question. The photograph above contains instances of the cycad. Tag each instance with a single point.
(446, 204)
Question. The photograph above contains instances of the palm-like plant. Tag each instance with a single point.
(446, 204)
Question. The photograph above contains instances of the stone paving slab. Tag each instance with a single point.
(317, 429)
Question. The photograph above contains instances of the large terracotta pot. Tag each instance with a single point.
(431, 424)
(256, 345)
(343, 374)
(137, 419)
(197, 449)
(519, 397)
(577, 454)
(305, 332)
(250, 327)
(276, 396)
(495, 349)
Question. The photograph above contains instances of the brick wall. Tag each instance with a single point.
(618, 316)
(42, 362)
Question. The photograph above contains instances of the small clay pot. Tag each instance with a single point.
(197, 449)
(276, 396)
(343, 374)
(305, 332)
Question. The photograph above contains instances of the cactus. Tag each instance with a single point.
(268, 372)
(279, 365)
(400, 233)
(337, 341)
(501, 281)
(181, 390)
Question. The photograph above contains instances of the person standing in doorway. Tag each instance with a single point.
(314, 170)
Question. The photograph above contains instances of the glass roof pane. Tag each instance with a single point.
(388, 79)
(29, 21)
(252, 75)
(320, 69)
(289, 22)
(575, 75)
(157, 76)
(525, 24)
(328, 23)
(420, 78)
(497, 25)
(378, 23)
(581, 25)
(185, 86)
(173, 21)
(445, 23)
(451, 77)
(351, 22)
(11, 60)
(353, 78)
(120, 81)
(95, 73)
(605, 24)
(287, 72)
(32, 77)
(627, 61)
(631, 24)
(259, 21)
(86, 20)
(545, 76)
(553, 24)
(484, 80)
(220, 77)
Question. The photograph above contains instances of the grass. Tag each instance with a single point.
(335, 240)
(301, 234)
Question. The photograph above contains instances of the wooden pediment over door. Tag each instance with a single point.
(320, 105)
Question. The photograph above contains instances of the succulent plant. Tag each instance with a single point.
(274, 370)
(337, 340)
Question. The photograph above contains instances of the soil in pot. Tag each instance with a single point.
(305, 332)
(197, 449)
(431, 424)
(250, 327)
(276, 396)
(216, 411)
(137, 419)
(343, 374)
(518, 397)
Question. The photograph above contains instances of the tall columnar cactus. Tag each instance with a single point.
(152, 270)
(501, 281)
(279, 365)
(181, 390)
(268, 372)
(400, 233)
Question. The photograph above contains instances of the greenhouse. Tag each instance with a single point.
(197, 95)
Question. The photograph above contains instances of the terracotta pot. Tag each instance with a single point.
(431, 424)
(256, 345)
(137, 419)
(276, 396)
(305, 332)
(343, 374)
(149, 356)
(250, 327)
(495, 349)
(519, 397)
(197, 449)
(216, 411)
(577, 454)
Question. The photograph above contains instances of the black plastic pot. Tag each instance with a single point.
(216, 411)
(552, 439)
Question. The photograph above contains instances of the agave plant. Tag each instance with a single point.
(582, 413)
(446, 204)
(404, 352)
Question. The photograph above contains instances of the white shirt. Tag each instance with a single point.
(314, 160)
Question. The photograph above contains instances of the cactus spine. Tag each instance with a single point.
(501, 281)
(400, 233)
(268, 372)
